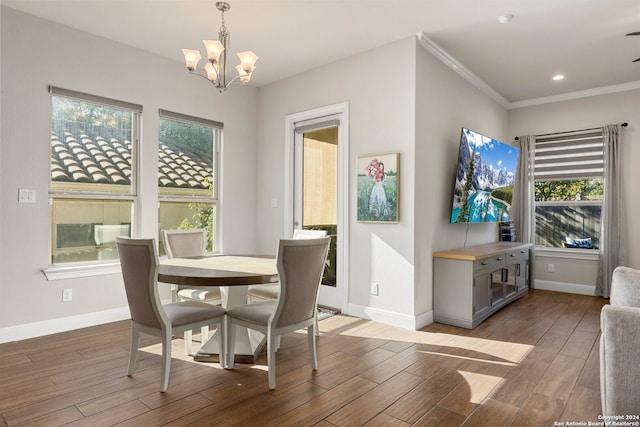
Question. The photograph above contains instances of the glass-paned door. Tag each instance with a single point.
(316, 196)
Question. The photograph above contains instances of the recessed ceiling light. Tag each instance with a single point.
(503, 19)
(558, 77)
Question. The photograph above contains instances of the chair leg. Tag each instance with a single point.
(271, 358)
(188, 339)
(222, 326)
(135, 344)
(315, 324)
(204, 334)
(230, 346)
(311, 337)
(166, 361)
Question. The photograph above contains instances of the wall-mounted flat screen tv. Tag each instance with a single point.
(485, 177)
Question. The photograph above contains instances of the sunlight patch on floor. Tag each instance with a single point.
(511, 351)
(480, 385)
(508, 352)
(177, 352)
(472, 359)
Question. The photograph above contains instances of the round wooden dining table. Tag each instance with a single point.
(233, 274)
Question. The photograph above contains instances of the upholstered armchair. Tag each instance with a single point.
(620, 344)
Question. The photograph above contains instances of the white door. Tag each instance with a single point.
(318, 186)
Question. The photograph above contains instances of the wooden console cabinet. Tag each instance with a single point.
(472, 283)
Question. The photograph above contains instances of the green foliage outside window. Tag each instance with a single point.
(202, 217)
(581, 189)
(195, 136)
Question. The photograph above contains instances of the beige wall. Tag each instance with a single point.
(320, 205)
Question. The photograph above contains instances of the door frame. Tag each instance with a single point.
(341, 110)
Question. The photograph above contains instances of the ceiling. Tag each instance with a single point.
(582, 39)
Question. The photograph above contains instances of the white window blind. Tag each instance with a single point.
(317, 124)
(567, 156)
(94, 99)
(190, 119)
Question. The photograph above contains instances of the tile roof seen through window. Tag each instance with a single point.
(87, 160)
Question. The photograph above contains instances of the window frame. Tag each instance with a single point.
(214, 197)
(587, 164)
(64, 270)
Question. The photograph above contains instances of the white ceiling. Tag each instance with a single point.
(582, 39)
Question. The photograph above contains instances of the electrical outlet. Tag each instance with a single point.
(67, 295)
(551, 268)
(375, 289)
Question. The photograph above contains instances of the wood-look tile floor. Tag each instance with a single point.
(531, 364)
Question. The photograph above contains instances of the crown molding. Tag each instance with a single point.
(468, 75)
(576, 95)
(459, 68)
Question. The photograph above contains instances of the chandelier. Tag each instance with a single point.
(216, 68)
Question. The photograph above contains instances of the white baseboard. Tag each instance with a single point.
(571, 288)
(400, 320)
(53, 326)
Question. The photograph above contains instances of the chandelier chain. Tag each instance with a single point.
(223, 28)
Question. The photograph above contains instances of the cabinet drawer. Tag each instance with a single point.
(488, 264)
(518, 255)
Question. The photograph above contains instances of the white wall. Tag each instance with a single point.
(418, 113)
(583, 113)
(445, 102)
(36, 54)
(381, 111)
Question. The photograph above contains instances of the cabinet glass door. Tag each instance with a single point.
(497, 286)
(510, 284)
(481, 298)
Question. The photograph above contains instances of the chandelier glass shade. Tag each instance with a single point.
(216, 67)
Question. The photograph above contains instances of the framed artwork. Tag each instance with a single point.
(378, 188)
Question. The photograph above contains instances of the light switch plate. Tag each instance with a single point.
(26, 195)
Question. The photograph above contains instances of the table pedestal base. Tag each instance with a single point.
(249, 343)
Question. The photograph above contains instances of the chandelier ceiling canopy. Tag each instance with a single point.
(216, 68)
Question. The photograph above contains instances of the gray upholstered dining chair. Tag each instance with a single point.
(139, 264)
(300, 266)
(188, 243)
(259, 293)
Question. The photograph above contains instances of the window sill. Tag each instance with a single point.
(583, 254)
(57, 272)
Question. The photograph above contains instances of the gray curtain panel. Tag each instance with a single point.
(612, 229)
(523, 203)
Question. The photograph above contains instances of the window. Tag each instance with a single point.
(569, 170)
(187, 173)
(93, 174)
